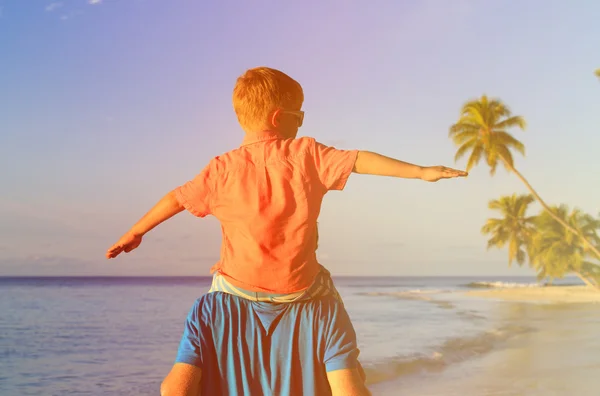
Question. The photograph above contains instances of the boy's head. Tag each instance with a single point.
(268, 99)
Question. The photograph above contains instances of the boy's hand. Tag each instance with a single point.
(126, 244)
(435, 173)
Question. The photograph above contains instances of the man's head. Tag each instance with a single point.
(268, 99)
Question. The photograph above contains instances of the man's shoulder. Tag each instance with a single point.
(216, 311)
(220, 301)
(209, 300)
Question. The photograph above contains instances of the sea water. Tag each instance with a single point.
(417, 336)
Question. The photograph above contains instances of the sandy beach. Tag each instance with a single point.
(549, 294)
(554, 353)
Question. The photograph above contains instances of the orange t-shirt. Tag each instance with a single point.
(267, 195)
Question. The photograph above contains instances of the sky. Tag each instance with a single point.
(105, 106)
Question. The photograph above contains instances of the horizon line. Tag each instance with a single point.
(210, 276)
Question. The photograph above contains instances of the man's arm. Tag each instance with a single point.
(368, 163)
(345, 374)
(166, 208)
(347, 382)
(183, 380)
(185, 377)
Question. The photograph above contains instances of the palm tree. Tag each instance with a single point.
(482, 131)
(591, 271)
(514, 228)
(555, 252)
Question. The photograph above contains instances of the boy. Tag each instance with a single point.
(267, 194)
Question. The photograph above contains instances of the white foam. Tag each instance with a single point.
(423, 291)
(505, 285)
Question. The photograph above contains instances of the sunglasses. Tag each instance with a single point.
(298, 114)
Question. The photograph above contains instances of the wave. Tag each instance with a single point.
(374, 285)
(451, 352)
(503, 285)
(426, 291)
(414, 295)
(406, 292)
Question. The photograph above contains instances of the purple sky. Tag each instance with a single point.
(105, 107)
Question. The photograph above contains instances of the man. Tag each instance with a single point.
(237, 347)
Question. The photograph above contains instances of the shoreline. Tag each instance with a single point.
(549, 294)
(522, 359)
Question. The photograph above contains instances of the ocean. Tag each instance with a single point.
(417, 335)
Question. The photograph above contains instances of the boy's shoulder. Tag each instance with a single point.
(245, 153)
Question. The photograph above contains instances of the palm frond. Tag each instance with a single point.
(512, 122)
(464, 136)
(474, 105)
(464, 148)
(492, 160)
(521, 257)
(508, 140)
(498, 240)
(522, 203)
(505, 153)
(475, 119)
(498, 204)
(589, 268)
(491, 225)
(475, 157)
(497, 110)
(473, 113)
(463, 126)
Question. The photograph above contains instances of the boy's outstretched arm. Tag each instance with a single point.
(166, 208)
(368, 163)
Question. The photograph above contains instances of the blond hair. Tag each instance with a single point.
(259, 92)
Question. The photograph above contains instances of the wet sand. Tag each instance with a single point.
(559, 356)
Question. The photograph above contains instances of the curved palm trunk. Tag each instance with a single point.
(547, 208)
(586, 280)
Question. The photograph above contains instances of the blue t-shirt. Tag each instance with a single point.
(257, 348)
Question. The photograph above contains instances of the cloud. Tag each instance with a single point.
(53, 6)
(70, 15)
(93, 2)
